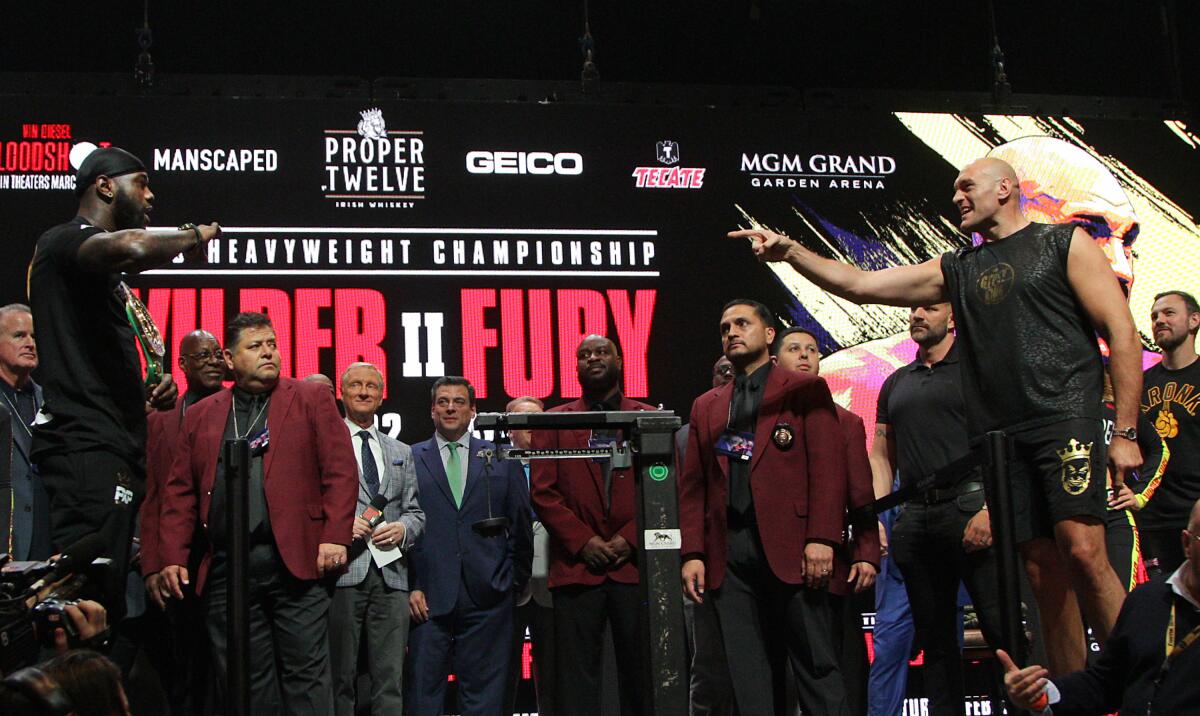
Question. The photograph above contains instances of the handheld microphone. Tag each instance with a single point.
(374, 512)
(74, 558)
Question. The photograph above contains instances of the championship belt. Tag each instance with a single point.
(147, 334)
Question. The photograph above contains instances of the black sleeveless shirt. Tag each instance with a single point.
(1029, 353)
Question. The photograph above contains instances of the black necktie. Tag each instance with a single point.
(369, 469)
(742, 417)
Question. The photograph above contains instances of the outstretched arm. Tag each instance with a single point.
(916, 285)
(136, 250)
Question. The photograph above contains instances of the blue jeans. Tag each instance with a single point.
(892, 636)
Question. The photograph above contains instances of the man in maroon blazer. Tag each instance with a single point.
(302, 494)
(856, 564)
(203, 366)
(762, 503)
(182, 657)
(589, 511)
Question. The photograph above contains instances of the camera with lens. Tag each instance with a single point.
(34, 596)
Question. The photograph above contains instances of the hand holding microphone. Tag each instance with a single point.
(365, 523)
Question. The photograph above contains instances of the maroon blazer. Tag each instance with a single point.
(309, 475)
(859, 493)
(568, 497)
(163, 429)
(799, 490)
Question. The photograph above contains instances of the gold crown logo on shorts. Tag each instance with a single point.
(1075, 450)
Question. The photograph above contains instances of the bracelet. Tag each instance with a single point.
(194, 228)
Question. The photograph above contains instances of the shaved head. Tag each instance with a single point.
(196, 340)
(1194, 519)
(995, 168)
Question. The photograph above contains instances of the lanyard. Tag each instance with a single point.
(17, 413)
(1172, 649)
(237, 433)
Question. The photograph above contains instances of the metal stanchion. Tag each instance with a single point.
(658, 564)
(651, 454)
(237, 595)
(1004, 538)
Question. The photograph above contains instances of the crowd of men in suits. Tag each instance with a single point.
(434, 559)
(431, 588)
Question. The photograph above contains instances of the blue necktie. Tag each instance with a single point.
(369, 468)
(528, 485)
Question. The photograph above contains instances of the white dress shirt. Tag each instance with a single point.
(376, 447)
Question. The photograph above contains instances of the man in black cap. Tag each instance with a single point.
(89, 440)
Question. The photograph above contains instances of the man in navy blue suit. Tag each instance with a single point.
(466, 575)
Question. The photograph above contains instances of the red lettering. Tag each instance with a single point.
(183, 322)
(212, 312)
(539, 380)
(633, 334)
(476, 337)
(360, 322)
(55, 131)
(37, 156)
(278, 307)
(581, 312)
(310, 337)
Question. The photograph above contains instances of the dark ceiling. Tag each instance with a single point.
(1097, 47)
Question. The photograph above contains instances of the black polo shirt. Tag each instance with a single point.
(924, 407)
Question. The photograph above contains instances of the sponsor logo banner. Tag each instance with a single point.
(783, 170)
(669, 175)
(512, 162)
(373, 167)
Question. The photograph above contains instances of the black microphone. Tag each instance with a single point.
(74, 558)
(374, 512)
(491, 525)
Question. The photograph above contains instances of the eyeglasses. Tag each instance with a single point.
(1195, 537)
(202, 356)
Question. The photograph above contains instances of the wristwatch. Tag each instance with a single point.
(1129, 433)
(193, 228)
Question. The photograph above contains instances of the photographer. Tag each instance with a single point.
(85, 624)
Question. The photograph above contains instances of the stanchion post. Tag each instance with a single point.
(1004, 539)
(237, 480)
(658, 562)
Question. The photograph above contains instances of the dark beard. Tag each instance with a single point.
(932, 337)
(600, 385)
(1174, 341)
(127, 214)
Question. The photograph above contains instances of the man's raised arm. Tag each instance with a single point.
(916, 285)
(136, 250)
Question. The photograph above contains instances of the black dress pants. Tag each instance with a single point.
(580, 613)
(765, 621)
(289, 645)
(95, 492)
(927, 546)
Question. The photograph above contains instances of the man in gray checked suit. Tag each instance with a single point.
(367, 596)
